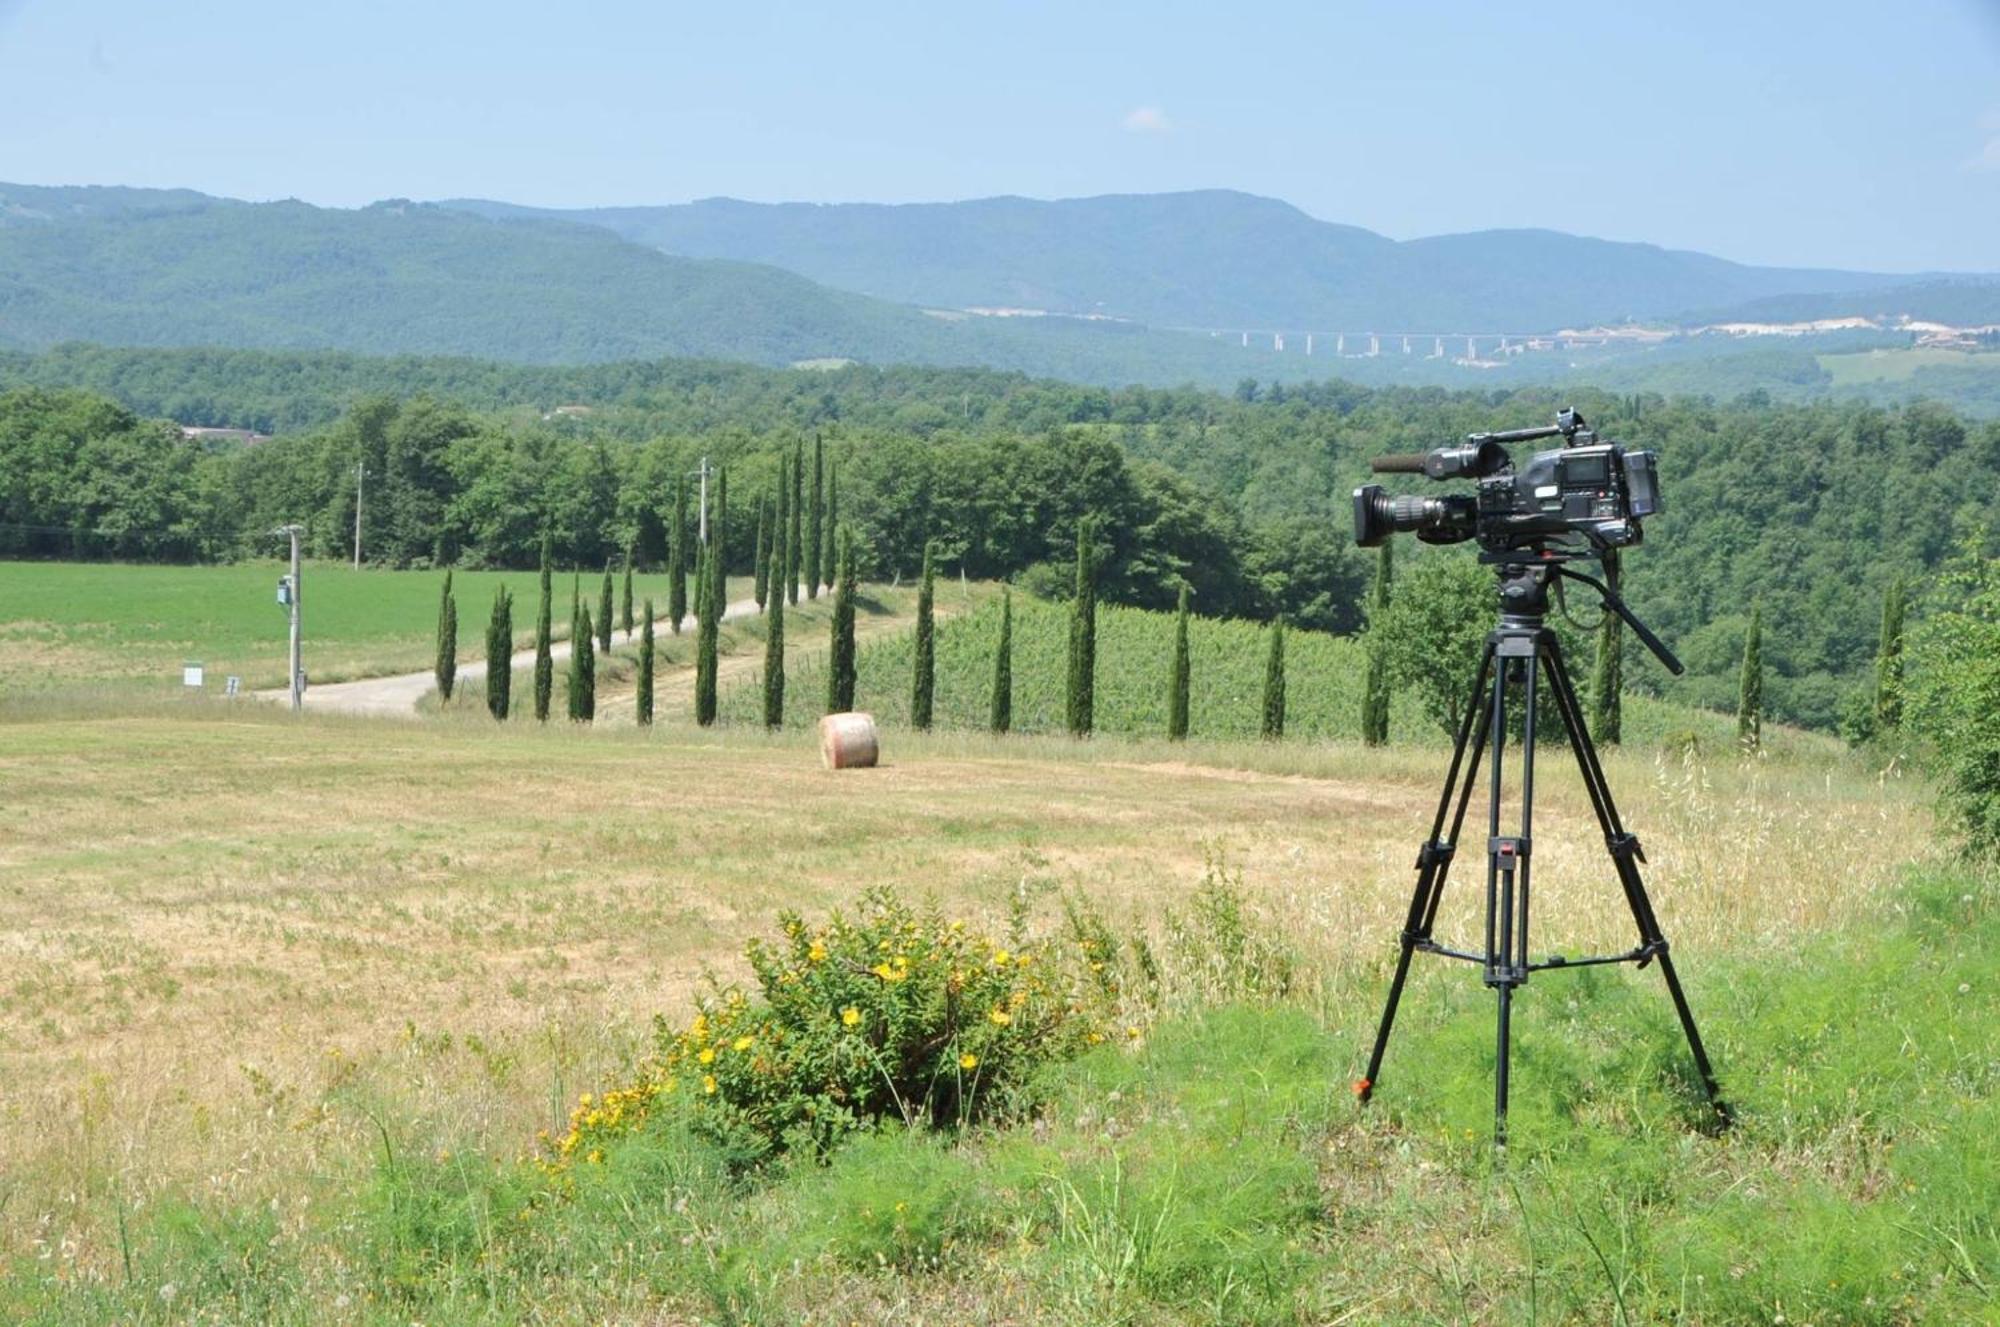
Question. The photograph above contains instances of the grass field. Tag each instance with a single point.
(287, 1002)
(1869, 366)
(65, 624)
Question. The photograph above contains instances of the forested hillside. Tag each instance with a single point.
(1807, 511)
(1211, 258)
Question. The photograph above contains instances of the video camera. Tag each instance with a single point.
(1584, 490)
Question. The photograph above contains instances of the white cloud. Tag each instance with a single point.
(1146, 120)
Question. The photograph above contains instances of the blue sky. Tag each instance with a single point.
(1831, 133)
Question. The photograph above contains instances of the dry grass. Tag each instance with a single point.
(231, 937)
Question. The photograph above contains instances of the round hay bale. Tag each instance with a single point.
(847, 741)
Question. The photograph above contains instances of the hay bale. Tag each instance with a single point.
(847, 741)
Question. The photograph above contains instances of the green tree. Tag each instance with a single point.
(447, 641)
(500, 654)
(1607, 681)
(923, 681)
(1375, 689)
(1889, 660)
(1432, 632)
(1001, 717)
(1750, 690)
(1274, 684)
(774, 666)
(718, 537)
(763, 553)
(794, 549)
(1081, 694)
(814, 512)
(781, 519)
(1179, 676)
(825, 552)
(840, 669)
(677, 558)
(645, 697)
(1952, 696)
(604, 613)
(545, 667)
(625, 600)
(707, 623)
(582, 668)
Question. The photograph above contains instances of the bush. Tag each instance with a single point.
(894, 1014)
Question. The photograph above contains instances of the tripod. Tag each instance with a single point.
(1518, 653)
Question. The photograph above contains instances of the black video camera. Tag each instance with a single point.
(1584, 490)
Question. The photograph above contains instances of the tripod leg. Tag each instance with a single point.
(1625, 856)
(1433, 863)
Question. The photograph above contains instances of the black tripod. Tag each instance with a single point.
(1517, 652)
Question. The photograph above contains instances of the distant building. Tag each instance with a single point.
(202, 433)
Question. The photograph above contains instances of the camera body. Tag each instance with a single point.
(1586, 490)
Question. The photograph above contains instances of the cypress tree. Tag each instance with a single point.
(625, 602)
(825, 551)
(1375, 692)
(1607, 682)
(604, 613)
(646, 667)
(814, 514)
(840, 656)
(718, 535)
(582, 668)
(545, 668)
(1889, 660)
(500, 655)
(677, 558)
(774, 666)
(781, 517)
(1274, 684)
(446, 667)
(1001, 717)
(923, 686)
(1179, 676)
(762, 553)
(1750, 697)
(1081, 694)
(794, 550)
(707, 621)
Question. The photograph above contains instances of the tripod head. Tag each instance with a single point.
(1527, 575)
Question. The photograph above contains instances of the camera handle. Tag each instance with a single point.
(1618, 606)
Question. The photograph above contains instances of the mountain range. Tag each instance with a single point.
(788, 283)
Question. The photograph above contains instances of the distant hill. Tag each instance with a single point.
(1957, 301)
(1209, 259)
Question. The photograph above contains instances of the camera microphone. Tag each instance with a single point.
(1404, 463)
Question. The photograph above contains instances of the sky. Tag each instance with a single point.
(1832, 133)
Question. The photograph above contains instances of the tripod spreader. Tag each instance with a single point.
(1518, 653)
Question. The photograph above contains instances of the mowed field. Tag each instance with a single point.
(243, 951)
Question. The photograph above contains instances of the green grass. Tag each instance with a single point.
(64, 624)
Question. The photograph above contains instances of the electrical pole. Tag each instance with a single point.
(360, 471)
(703, 513)
(292, 596)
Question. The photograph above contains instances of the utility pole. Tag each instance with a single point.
(291, 598)
(703, 472)
(360, 472)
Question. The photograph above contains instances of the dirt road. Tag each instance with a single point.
(397, 696)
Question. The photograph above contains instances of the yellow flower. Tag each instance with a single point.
(708, 1083)
(999, 958)
(850, 1016)
(817, 953)
(887, 973)
(744, 1043)
(594, 1157)
(1000, 1017)
(968, 1061)
(707, 1055)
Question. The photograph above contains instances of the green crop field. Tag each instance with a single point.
(1323, 679)
(1871, 366)
(64, 624)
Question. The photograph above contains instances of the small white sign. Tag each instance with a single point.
(232, 685)
(191, 675)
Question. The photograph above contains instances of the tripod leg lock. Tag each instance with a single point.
(1625, 847)
(1435, 853)
(1508, 852)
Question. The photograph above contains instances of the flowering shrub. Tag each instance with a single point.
(891, 1014)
